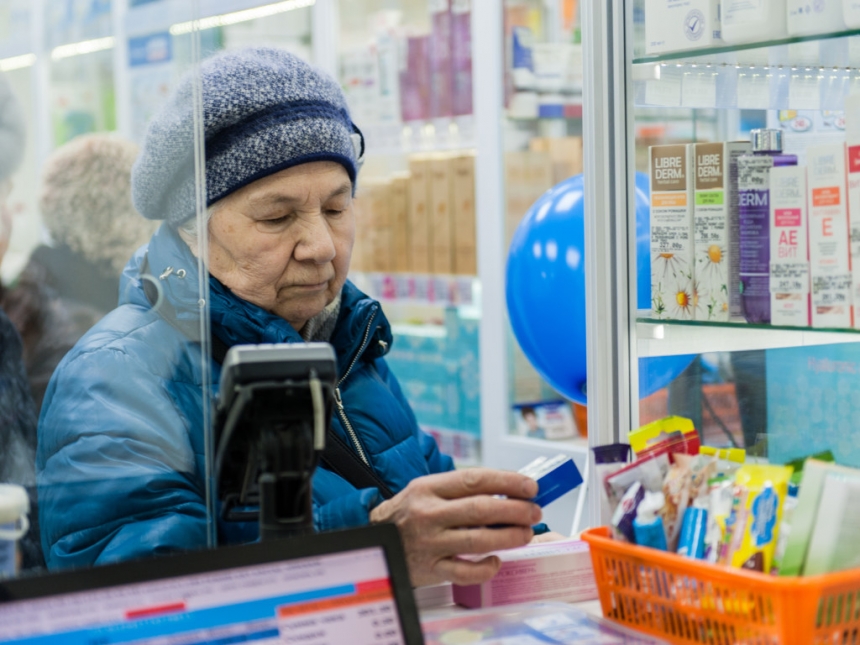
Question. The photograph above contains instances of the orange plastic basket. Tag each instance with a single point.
(689, 601)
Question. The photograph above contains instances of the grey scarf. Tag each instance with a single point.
(321, 327)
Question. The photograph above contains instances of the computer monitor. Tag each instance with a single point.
(342, 587)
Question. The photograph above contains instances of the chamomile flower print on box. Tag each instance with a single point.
(715, 217)
(672, 249)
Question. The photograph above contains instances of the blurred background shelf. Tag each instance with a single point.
(742, 53)
(675, 337)
(803, 73)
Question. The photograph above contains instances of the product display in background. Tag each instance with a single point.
(406, 74)
(678, 26)
(422, 221)
(544, 420)
(543, 79)
(437, 367)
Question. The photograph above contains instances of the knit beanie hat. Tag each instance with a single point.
(264, 110)
(11, 131)
(86, 200)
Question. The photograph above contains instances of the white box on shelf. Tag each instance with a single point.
(829, 252)
(851, 13)
(716, 230)
(789, 247)
(560, 571)
(681, 25)
(752, 21)
(852, 139)
(805, 18)
(672, 247)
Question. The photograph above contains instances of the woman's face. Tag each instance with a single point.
(284, 242)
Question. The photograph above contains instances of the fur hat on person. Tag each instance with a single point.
(86, 200)
(264, 110)
(12, 137)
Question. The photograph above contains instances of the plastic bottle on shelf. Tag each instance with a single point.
(754, 220)
(750, 21)
(805, 18)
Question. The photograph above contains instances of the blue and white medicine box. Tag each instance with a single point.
(555, 477)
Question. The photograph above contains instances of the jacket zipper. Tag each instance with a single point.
(350, 430)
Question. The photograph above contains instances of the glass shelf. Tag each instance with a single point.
(770, 49)
(672, 337)
(804, 73)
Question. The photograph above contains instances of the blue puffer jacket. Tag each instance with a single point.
(121, 459)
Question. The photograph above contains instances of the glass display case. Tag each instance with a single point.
(761, 361)
(72, 130)
(406, 68)
(528, 139)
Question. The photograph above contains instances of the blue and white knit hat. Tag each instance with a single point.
(264, 110)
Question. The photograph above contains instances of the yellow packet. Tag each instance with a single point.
(756, 515)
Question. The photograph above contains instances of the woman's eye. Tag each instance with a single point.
(333, 212)
(275, 221)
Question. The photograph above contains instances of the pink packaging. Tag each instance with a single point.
(461, 55)
(415, 78)
(441, 81)
(548, 571)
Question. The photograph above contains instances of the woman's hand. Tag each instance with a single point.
(449, 514)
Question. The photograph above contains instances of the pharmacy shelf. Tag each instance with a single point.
(419, 288)
(741, 53)
(808, 73)
(674, 337)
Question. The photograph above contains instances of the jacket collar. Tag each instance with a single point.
(174, 271)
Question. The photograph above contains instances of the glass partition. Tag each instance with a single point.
(758, 361)
(406, 70)
(104, 304)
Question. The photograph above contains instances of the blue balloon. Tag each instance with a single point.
(545, 290)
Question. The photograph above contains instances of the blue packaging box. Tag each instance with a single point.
(555, 477)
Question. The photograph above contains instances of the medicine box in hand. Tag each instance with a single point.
(555, 477)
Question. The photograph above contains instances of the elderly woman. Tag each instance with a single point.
(121, 462)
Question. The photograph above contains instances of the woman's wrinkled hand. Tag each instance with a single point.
(449, 514)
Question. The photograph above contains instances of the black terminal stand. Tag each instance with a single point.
(274, 409)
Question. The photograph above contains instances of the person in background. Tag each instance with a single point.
(17, 412)
(69, 285)
(121, 459)
(533, 428)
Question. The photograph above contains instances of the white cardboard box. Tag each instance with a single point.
(852, 139)
(679, 25)
(829, 249)
(672, 244)
(789, 247)
(548, 571)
